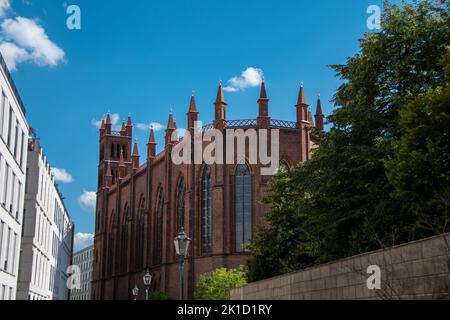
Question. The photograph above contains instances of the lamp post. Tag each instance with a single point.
(181, 242)
(135, 292)
(147, 282)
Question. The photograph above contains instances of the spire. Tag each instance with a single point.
(151, 139)
(151, 145)
(302, 107)
(220, 97)
(319, 114)
(135, 156)
(301, 96)
(121, 165)
(319, 106)
(192, 106)
(129, 127)
(123, 129)
(135, 150)
(108, 177)
(262, 93)
(192, 114)
(263, 108)
(220, 109)
(170, 123)
(108, 124)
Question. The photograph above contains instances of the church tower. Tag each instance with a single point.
(114, 162)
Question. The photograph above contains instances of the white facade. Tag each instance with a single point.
(84, 260)
(13, 154)
(47, 234)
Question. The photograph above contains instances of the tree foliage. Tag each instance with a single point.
(217, 284)
(353, 195)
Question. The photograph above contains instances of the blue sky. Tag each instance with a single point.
(143, 57)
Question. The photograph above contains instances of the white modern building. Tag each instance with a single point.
(84, 260)
(13, 160)
(47, 238)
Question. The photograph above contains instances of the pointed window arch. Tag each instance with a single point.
(112, 150)
(157, 251)
(118, 150)
(111, 245)
(180, 205)
(284, 165)
(206, 212)
(124, 239)
(242, 207)
(140, 235)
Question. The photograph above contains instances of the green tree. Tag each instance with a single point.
(217, 284)
(342, 202)
(420, 169)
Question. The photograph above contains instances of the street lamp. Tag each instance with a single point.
(135, 291)
(181, 242)
(147, 282)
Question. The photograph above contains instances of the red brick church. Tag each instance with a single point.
(141, 207)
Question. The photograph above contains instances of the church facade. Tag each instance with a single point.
(141, 207)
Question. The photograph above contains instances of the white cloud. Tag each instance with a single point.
(62, 175)
(115, 121)
(87, 201)
(30, 36)
(4, 6)
(251, 77)
(156, 126)
(13, 54)
(82, 240)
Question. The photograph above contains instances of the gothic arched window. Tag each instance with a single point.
(118, 150)
(112, 150)
(284, 165)
(157, 251)
(111, 244)
(242, 207)
(140, 235)
(206, 212)
(124, 148)
(124, 240)
(181, 191)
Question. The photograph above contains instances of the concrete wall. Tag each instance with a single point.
(416, 270)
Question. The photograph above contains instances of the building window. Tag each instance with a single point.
(2, 112)
(206, 212)
(111, 246)
(112, 150)
(181, 191)
(242, 207)
(16, 139)
(158, 228)
(284, 165)
(140, 235)
(10, 127)
(118, 151)
(124, 240)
